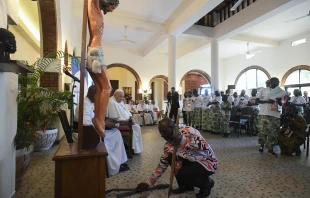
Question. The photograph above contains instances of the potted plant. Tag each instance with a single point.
(37, 111)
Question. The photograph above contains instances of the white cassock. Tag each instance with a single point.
(135, 116)
(154, 109)
(113, 140)
(147, 116)
(118, 111)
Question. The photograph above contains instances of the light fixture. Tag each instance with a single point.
(236, 5)
(298, 42)
(249, 56)
(145, 91)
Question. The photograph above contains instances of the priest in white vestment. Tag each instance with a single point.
(113, 139)
(147, 114)
(117, 110)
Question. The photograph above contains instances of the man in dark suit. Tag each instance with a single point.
(174, 104)
(306, 98)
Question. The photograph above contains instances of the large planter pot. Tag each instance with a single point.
(45, 139)
(23, 157)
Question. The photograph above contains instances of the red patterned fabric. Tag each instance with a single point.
(193, 147)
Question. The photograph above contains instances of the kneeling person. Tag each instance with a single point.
(197, 157)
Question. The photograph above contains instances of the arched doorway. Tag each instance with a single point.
(124, 77)
(159, 86)
(193, 79)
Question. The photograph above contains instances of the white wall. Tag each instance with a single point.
(124, 77)
(8, 119)
(277, 60)
(25, 51)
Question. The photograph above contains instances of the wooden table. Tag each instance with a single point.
(80, 173)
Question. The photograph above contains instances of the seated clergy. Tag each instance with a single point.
(113, 139)
(135, 115)
(147, 115)
(117, 110)
(155, 110)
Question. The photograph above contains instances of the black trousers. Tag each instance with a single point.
(173, 112)
(191, 174)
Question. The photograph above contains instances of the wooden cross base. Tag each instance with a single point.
(80, 173)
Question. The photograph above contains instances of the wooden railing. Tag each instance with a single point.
(216, 17)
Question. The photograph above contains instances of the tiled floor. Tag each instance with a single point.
(242, 172)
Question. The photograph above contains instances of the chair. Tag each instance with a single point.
(126, 131)
(66, 126)
(234, 118)
(245, 120)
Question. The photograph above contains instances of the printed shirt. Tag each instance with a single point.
(226, 106)
(193, 147)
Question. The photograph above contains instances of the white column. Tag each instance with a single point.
(172, 62)
(215, 64)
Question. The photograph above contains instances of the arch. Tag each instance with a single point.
(48, 21)
(303, 67)
(197, 71)
(163, 77)
(252, 67)
(131, 70)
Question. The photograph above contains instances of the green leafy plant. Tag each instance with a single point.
(38, 106)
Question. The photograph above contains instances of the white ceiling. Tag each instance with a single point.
(112, 34)
(157, 11)
(275, 28)
(230, 48)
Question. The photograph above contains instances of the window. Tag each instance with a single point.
(298, 79)
(251, 78)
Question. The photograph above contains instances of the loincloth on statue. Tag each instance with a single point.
(95, 59)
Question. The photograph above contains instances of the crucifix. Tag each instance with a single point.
(95, 64)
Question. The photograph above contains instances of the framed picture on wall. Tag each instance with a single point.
(127, 90)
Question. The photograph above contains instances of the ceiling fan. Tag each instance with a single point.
(125, 37)
(299, 18)
(248, 54)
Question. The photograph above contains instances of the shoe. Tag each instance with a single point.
(226, 135)
(270, 151)
(206, 192)
(261, 148)
(124, 167)
(298, 153)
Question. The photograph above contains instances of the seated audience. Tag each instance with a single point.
(242, 94)
(236, 99)
(230, 98)
(117, 110)
(135, 115)
(196, 155)
(155, 109)
(113, 139)
(143, 108)
(293, 132)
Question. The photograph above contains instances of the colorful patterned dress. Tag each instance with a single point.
(226, 112)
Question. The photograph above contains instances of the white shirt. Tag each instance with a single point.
(142, 107)
(198, 101)
(263, 95)
(298, 100)
(206, 101)
(267, 110)
(230, 99)
(217, 99)
(236, 102)
(88, 112)
(154, 107)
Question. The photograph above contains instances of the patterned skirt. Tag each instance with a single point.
(196, 120)
(206, 121)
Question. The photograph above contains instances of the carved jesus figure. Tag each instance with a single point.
(95, 59)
